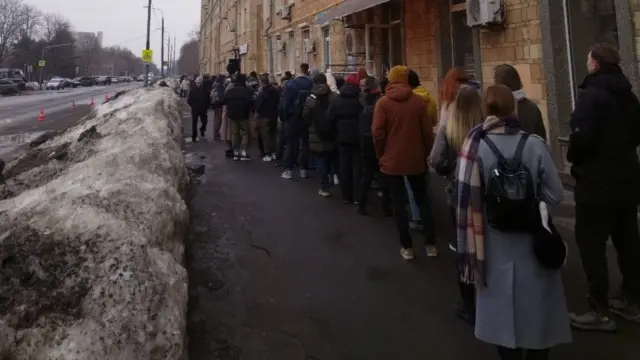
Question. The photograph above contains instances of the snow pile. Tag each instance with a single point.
(91, 238)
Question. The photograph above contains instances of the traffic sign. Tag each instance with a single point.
(147, 55)
(42, 63)
(77, 70)
(30, 68)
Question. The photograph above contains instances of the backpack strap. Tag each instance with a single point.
(523, 140)
(494, 149)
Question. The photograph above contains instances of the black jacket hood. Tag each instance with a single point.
(609, 78)
(321, 90)
(349, 91)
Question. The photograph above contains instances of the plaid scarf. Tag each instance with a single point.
(470, 206)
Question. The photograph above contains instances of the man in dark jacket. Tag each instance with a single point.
(295, 93)
(321, 133)
(605, 133)
(267, 105)
(198, 100)
(344, 111)
(370, 95)
(240, 105)
(529, 115)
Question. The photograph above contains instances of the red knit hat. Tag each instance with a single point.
(353, 80)
(362, 73)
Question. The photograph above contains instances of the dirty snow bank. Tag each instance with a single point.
(91, 238)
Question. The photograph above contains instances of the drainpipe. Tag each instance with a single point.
(269, 40)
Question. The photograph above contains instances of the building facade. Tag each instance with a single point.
(545, 40)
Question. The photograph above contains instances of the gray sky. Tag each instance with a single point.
(124, 22)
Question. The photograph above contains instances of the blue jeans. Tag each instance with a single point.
(415, 211)
(297, 145)
(323, 164)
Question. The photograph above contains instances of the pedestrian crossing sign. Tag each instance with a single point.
(147, 55)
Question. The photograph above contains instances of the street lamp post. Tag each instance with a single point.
(42, 56)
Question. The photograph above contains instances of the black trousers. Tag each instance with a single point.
(400, 199)
(350, 163)
(594, 225)
(195, 115)
(369, 169)
(521, 354)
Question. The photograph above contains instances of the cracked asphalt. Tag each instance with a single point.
(278, 273)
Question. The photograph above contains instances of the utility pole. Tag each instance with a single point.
(174, 51)
(169, 56)
(162, 50)
(146, 65)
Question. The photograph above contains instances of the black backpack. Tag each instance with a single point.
(301, 99)
(510, 199)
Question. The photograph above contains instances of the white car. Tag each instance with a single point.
(56, 84)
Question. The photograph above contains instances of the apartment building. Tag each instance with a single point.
(546, 40)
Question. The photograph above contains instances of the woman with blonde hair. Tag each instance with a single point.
(466, 113)
(520, 303)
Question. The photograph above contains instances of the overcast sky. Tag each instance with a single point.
(124, 22)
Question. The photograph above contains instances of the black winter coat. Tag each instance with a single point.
(605, 132)
(344, 112)
(239, 102)
(268, 102)
(198, 98)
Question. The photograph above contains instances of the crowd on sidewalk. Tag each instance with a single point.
(491, 146)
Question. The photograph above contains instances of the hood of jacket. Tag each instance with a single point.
(609, 78)
(398, 92)
(349, 91)
(422, 92)
(321, 90)
(301, 82)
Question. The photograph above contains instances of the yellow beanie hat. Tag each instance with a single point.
(399, 73)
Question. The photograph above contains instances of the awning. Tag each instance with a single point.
(347, 7)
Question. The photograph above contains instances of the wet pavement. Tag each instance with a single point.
(278, 273)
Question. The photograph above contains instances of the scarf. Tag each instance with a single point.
(519, 95)
(470, 206)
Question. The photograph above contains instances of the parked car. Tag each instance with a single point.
(14, 75)
(56, 84)
(104, 80)
(8, 87)
(115, 80)
(87, 81)
(74, 83)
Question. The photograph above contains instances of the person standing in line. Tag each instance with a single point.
(403, 138)
(605, 134)
(267, 105)
(466, 114)
(198, 100)
(529, 114)
(334, 167)
(344, 111)
(520, 305)
(184, 87)
(432, 111)
(369, 98)
(321, 133)
(297, 134)
(240, 104)
(216, 97)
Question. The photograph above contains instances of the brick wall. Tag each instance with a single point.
(520, 45)
(420, 19)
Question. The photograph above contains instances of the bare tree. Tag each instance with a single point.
(53, 24)
(188, 62)
(32, 23)
(12, 18)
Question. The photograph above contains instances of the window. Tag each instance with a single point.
(291, 51)
(587, 22)
(326, 41)
(306, 38)
(462, 40)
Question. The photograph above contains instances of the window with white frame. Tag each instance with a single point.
(587, 22)
(306, 42)
(291, 51)
(326, 46)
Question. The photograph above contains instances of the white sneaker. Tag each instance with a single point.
(303, 173)
(244, 156)
(324, 193)
(407, 254)
(267, 158)
(336, 181)
(236, 156)
(287, 175)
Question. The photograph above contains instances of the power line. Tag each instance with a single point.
(133, 39)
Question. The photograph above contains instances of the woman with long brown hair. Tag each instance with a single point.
(451, 83)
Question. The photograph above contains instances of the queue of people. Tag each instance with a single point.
(491, 147)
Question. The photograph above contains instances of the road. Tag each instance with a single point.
(278, 273)
(15, 110)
